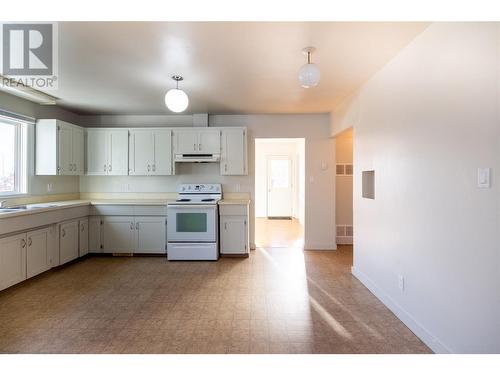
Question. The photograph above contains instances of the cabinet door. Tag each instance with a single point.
(234, 152)
(209, 142)
(97, 149)
(141, 147)
(118, 153)
(118, 234)
(68, 241)
(186, 141)
(83, 237)
(233, 235)
(95, 244)
(37, 252)
(78, 151)
(12, 260)
(162, 165)
(150, 235)
(64, 146)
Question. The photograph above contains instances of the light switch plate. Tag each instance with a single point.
(483, 178)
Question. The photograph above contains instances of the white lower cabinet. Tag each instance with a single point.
(68, 241)
(117, 234)
(83, 237)
(150, 232)
(12, 260)
(234, 237)
(95, 241)
(127, 234)
(38, 257)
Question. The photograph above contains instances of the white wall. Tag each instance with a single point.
(319, 186)
(426, 122)
(293, 150)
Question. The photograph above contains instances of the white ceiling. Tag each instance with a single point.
(228, 67)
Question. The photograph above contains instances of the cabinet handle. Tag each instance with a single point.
(131, 226)
(82, 228)
(104, 167)
(63, 233)
(199, 147)
(137, 226)
(149, 168)
(110, 168)
(194, 146)
(225, 167)
(225, 226)
(23, 243)
(29, 241)
(154, 168)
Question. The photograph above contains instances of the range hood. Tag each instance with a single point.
(197, 158)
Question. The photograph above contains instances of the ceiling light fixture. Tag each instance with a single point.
(176, 100)
(309, 73)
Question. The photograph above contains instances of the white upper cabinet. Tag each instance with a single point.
(150, 152)
(107, 152)
(59, 148)
(197, 141)
(234, 152)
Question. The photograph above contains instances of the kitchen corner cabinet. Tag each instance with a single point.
(59, 148)
(234, 152)
(150, 152)
(107, 152)
(95, 241)
(234, 234)
(196, 141)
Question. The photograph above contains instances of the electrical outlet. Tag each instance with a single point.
(49, 187)
(401, 283)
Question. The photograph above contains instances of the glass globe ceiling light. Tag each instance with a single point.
(176, 100)
(309, 73)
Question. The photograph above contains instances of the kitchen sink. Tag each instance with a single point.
(15, 208)
(42, 206)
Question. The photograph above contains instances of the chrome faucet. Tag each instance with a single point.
(2, 204)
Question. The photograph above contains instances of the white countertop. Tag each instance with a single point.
(234, 201)
(36, 208)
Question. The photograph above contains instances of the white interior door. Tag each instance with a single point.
(279, 186)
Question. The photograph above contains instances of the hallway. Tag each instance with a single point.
(278, 233)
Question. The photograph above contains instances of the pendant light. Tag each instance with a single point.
(176, 100)
(309, 73)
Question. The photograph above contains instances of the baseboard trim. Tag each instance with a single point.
(418, 329)
(323, 247)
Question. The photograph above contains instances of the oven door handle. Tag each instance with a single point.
(191, 206)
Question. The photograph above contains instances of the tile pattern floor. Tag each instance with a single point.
(277, 301)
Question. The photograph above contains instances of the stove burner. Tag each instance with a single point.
(183, 200)
(208, 200)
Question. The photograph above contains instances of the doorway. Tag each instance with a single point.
(279, 192)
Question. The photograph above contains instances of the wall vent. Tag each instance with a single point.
(344, 169)
(344, 234)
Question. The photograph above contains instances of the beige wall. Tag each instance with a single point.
(425, 123)
(343, 187)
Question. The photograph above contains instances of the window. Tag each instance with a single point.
(13, 157)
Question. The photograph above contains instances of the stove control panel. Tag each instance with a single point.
(200, 188)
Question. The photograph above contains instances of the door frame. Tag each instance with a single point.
(291, 158)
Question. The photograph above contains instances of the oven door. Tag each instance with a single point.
(196, 223)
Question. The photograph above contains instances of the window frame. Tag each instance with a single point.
(21, 158)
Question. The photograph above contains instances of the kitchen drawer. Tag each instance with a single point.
(233, 210)
(150, 210)
(112, 210)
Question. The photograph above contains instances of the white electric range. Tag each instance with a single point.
(193, 223)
